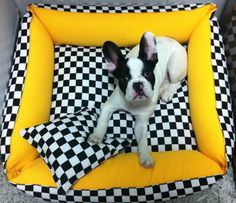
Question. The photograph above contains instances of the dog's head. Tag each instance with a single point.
(135, 75)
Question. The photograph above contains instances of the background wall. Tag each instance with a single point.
(22, 4)
(8, 26)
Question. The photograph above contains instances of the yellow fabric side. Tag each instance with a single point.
(36, 98)
(124, 171)
(202, 100)
(93, 29)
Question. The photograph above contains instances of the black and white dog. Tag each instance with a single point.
(152, 69)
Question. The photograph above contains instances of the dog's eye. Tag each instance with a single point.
(147, 74)
(125, 78)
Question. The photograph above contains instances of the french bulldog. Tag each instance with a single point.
(151, 70)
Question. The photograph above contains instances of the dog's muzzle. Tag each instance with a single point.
(139, 91)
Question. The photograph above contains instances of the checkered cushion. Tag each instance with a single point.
(81, 79)
(63, 146)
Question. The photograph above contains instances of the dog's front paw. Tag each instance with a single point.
(166, 96)
(146, 160)
(95, 139)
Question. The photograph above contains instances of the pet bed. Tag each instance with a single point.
(58, 68)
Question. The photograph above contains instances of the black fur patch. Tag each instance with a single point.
(123, 76)
(148, 72)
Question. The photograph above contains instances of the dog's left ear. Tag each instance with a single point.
(147, 48)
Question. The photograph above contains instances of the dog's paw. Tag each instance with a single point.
(95, 139)
(168, 92)
(166, 96)
(146, 160)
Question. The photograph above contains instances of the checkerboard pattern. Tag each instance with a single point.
(120, 8)
(146, 194)
(81, 79)
(63, 145)
(79, 70)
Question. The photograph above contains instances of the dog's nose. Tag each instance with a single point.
(138, 86)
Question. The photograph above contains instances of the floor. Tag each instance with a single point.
(222, 192)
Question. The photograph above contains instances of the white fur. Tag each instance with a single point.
(172, 59)
(151, 48)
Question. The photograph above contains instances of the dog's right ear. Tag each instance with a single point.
(113, 57)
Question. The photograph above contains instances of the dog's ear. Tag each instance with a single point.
(113, 57)
(147, 48)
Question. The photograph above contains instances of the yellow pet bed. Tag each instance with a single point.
(121, 177)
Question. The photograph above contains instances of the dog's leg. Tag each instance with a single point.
(114, 103)
(102, 124)
(168, 89)
(140, 130)
(176, 72)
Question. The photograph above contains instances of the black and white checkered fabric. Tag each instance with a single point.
(81, 80)
(120, 9)
(145, 194)
(148, 194)
(63, 145)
